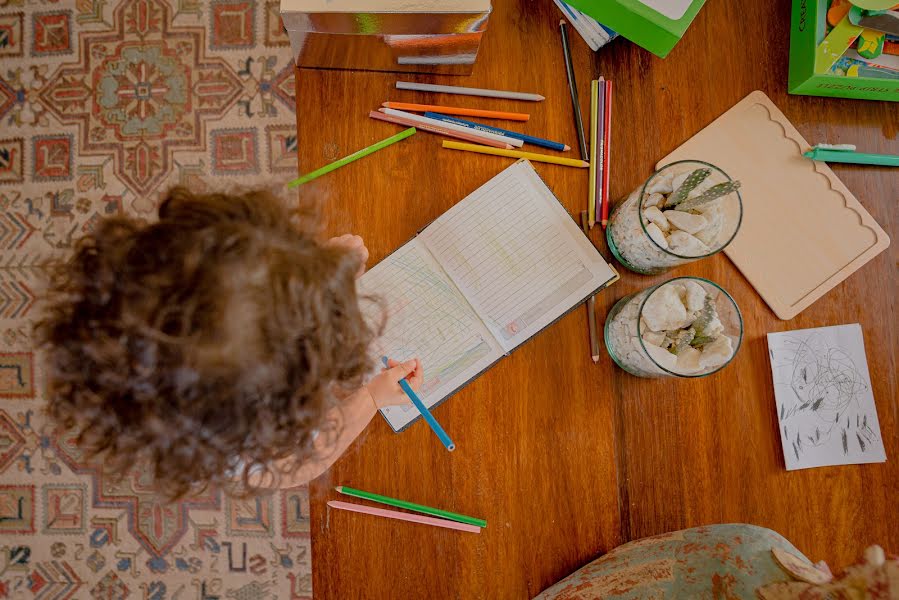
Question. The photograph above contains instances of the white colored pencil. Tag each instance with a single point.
(467, 91)
(438, 130)
(460, 128)
(402, 516)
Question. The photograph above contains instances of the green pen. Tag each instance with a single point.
(411, 506)
(845, 153)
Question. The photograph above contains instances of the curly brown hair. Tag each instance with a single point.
(215, 337)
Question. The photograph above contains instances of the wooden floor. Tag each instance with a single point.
(567, 459)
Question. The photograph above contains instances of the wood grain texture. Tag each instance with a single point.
(566, 459)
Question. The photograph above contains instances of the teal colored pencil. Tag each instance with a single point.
(348, 159)
(442, 435)
(428, 510)
(849, 156)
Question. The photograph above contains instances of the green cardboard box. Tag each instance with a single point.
(656, 25)
(807, 31)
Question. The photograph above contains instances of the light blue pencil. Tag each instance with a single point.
(527, 139)
(428, 417)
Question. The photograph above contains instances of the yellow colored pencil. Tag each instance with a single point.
(594, 110)
(556, 160)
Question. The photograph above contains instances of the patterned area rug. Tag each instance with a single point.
(104, 105)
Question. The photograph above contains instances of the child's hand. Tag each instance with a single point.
(353, 243)
(385, 389)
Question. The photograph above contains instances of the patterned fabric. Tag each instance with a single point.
(718, 561)
(103, 105)
(875, 577)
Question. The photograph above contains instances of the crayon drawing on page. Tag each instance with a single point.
(825, 405)
(429, 319)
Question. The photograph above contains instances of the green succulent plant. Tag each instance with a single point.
(689, 184)
(713, 193)
(681, 340)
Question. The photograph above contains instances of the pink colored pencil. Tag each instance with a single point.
(607, 150)
(476, 139)
(401, 516)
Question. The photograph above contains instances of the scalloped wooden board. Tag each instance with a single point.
(803, 231)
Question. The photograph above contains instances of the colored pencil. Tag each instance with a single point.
(401, 516)
(607, 151)
(591, 200)
(556, 160)
(428, 510)
(425, 413)
(572, 89)
(457, 42)
(850, 156)
(591, 304)
(467, 91)
(348, 159)
(458, 110)
(468, 137)
(527, 139)
(460, 128)
(600, 146)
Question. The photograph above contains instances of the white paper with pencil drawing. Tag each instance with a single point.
(825, 405)
(483, 278)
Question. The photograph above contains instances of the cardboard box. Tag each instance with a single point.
(656, 25)
(427, 36)
(807, 31)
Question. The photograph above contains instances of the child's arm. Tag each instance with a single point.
(350, 418)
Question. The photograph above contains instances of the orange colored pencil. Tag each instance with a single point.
(438, 130)
(457, 110)
(444, 42)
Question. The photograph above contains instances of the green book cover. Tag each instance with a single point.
(656, 25)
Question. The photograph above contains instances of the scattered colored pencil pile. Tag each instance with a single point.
(475, 137)
(487, 139)
(447, 520)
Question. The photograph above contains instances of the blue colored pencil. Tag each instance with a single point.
(527, 139)
(428, 417)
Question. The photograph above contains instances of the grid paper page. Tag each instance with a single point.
(516, 255)
(427, 318)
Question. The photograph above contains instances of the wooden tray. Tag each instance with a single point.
(803, 231)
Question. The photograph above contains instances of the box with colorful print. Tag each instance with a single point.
(845, 48)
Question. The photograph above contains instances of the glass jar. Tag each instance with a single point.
(702, 340)
(645, 241)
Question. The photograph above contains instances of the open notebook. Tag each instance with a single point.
(482, 279)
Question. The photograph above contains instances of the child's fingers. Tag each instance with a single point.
(402, 370)
(355, 244)
(349, 241)
(416, 377)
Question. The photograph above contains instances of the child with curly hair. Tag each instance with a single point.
(223, 343)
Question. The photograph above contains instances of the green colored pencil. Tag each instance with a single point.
(348, 159)
(410, 506)
(849, 156)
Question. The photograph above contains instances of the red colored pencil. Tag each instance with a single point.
(607, 147)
